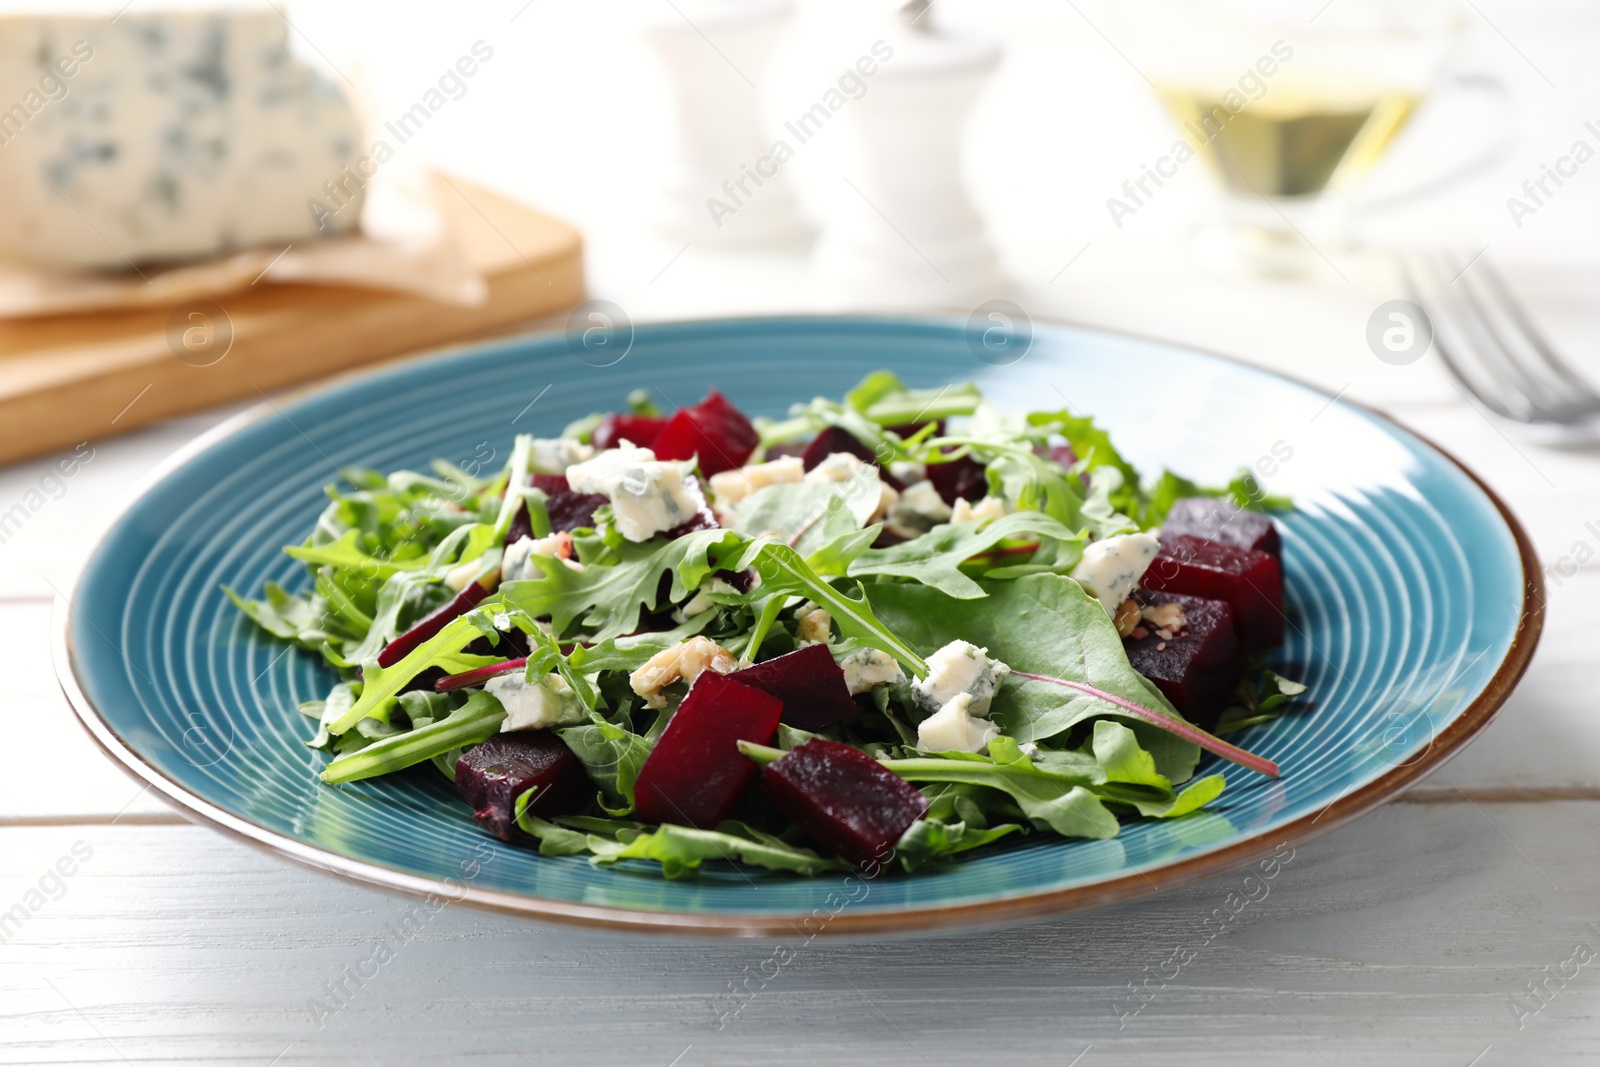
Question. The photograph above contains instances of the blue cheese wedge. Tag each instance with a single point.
(1111, 568)
(535, 705)
(553, 455)
(176, 136)
(958, 668)
(953, 728)
(869, 669)
(648, 496)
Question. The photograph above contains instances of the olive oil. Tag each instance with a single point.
(1288, 144)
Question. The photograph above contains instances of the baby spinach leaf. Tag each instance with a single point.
(1044, 624)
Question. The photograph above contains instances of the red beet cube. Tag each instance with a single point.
(491, 777)
(1250, 581)
(960, 479)
(696, 775)
(1199, 665)
(1223, 521)
(810, 684)
(640, 430)
(567, 510)
(714, 430)
(845, 799)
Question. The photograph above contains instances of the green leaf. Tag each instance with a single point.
(607, 600)
(346, 554)
(1063, 802)
(477, 720)
(808, 516)
(935, 558)
(1041, 624)
(680, 850)
(928, 840)
(378, 684)
(783, 571)
(612, 757)
(282, 614)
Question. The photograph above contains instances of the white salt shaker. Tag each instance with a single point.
(907, 234)
(715, 54)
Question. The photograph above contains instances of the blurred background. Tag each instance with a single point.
(1210, 172)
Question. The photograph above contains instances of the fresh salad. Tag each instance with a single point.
(876, 633)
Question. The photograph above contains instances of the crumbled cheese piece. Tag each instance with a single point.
(683, 662)
(730, 487)
(909, 471)
(813, 625)
(516, 566)
(837, 467)
(870, 669)
(648, 496)
(990, 507)
(960, 667)
(553, 455)
(1165, 616)
(701, 602)
(459, 577)
(863, 480)
(1111, 569)
(919, 509)
(953, 729)
(537, 706)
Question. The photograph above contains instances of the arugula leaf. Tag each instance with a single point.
(783, 571)
(1063, 802)
(612, 757)
(347, 554)
(884, 399)
(607, 600)
(477, 720)
(680, 850)
(378, 684)
(934, 558)
(928, 840)
(1046, 624)
(283, 615)
(808, 516)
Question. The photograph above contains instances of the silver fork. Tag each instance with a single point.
(1491, 346)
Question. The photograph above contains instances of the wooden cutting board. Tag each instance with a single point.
(84, 377)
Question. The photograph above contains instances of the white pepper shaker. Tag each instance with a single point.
(907, 235)
(715, 54)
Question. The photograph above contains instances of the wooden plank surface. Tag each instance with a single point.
(1409, 937)
(71, 378)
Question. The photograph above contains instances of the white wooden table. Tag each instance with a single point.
(1413, 936)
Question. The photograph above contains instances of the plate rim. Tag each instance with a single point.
(1001, 911)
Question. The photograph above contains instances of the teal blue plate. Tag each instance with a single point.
(1412, 594)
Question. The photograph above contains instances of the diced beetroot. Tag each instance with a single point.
(568, 510)
(845, 799)
(833, 440)
(1250, 581)
(696, 775)
(1062, 454)
(1223, 521)
(432, 623)
(640, 430)
(960, 479)
(491, 777)
(714, 430)
(810, 684)
(1199, 666)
